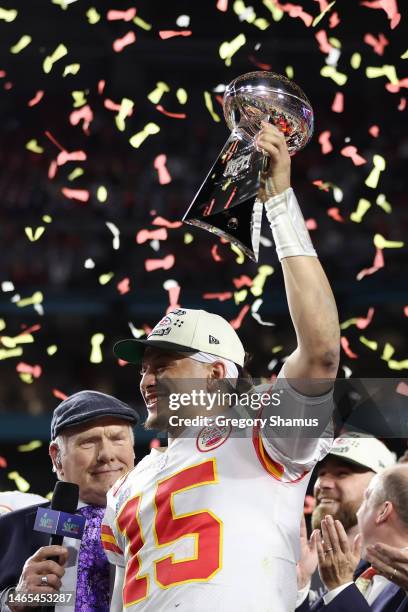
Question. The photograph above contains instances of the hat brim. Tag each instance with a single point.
(352, 461)
(132, 350)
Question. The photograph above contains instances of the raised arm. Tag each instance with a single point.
(310, 298)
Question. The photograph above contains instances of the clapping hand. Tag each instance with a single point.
(390, 562)
(308, 557)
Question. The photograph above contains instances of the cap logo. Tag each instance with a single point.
(161, 331)
(213, 340)
(164, 321)
(179, 312)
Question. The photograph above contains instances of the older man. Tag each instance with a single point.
(91, 446)
(383, 527)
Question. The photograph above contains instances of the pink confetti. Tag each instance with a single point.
(174, 294)
(59, 394)
(122, 362)
(166, 223)
(214, 253)
(377, 264)
(324, 141)
(25, 368)
(323, 4)
(334, 20)
(120, 43)
(156, 264)
(171, 33)
(406, 311)
(52, 170)
(125, 15)
(160, 165)
(3, 73)
(123, 286)
(258, 64)
(82, 195)
(295, 10)
(334, 213)
(110, 105)
(389, 6)
(402, 388)
(226, 295)
(30, 330)
(311, 224)
(145, 235)
(242, 281)
(363, 322)
(395, 87)
(377, 44)
(222, 5)
(353, 154)
(402, 104)
(237, 322)
(155, 443)
(374, 131)
(3, 462)
(38, 96)
(338, 103)
(319, 183)
(160, 108)
(324, 45)
(84, 114)
(65, 157)
(8, 85)
(346, 348)
(101, 87)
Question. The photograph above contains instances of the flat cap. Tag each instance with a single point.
(86, 406)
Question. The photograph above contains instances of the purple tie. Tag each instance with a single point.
(92, 592)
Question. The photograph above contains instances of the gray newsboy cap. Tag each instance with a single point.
(86, 406)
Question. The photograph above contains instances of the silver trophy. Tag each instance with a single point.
(224, 204)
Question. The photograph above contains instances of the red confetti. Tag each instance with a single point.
(395, 87)
(82, 195)
(334, 213)
(377, 264)
(227, 295)
(156, 264)
(377, 44)
(65, 157)
(59, 394)
(237, 322)
(52, 170)
(402, 104)
(214, 253)
(222, 5)
(54, 141)
(84, 114)
(324, 45)
(123, 286)
(2, 74)
(122, 362)
(101, 87)
(295, 10)
(30, 330)
(346, 348)
(120, 43)
(321, 185)
(144, 235)
(174, 294)
(3, 462)
(351, 152)
(309, 504)
(334, 20)
(259, 65)
(25, 368)
(38, 96)
(338, 103)
(160, 165)
(389, 6)
(374, 131)
(160, 108)
(125, 15)
(324, 141)
(242, 281)
(311, 224)
(166, 223)
(8, 85)
(110, 105)
(171, 33)
(406, 311)
(363, 322)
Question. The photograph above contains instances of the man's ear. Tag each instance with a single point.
(218, 370)
(384, 512)
(55, 454)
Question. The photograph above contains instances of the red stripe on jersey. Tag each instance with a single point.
(106, 529)
(111, 547)
(273, 468)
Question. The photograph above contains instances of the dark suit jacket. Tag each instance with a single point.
(391, 599)
(18, 542)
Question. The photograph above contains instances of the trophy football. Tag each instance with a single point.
(225, 202)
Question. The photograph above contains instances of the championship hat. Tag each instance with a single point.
(187, 330)
(363, 450)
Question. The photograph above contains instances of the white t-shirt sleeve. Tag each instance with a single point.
(111, 538)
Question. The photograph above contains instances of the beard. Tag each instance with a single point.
(346, 514)
(158, 422)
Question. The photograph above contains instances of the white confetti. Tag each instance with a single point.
(7, 286)
(89, 264)
(116, 234)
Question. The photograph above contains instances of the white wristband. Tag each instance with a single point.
(288, 226)
(256, 226)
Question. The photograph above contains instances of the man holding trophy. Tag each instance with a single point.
(212, 522)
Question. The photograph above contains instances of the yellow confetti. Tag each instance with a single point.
(71, 69)
(405, 55)
(373, 72)
(240, 256)
(36, 298)
(149, 129)
(260, 279)
(188, 238)
(355, 61)
(371, 344)
(290, 73)
(21, 44)
(36, 234)
(11, 343)
(26, 377)
(52, 349)
(388, 351)
(210, 108)
(92, 15)
(104, 279)
(102, 194)
(27, 448)
(2, 324)
(21, 483)
(125, 107)
(240, 296)
(228, 49)
(382, 202)
(277, 13)
(182, 96)
(349, 322)
(64, 4)
(79, 98)
(47, 218)
(50, 60)
(362, 207)
(77, 172)
(261, 23)
(398, 365)
(381, 243)
(142, 24)
(335, 42)
(7, 354)
(331, 72)
(34, 147)
(8, 15)
(374, 176)
(96, 351)
(277, 349)
(156, 95)
(317, 19)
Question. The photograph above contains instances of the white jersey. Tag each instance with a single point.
(212, 522)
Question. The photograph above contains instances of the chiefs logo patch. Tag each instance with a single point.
(212, 437)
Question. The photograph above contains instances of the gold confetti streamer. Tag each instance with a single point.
(290, 73)
(142, 24)
(240, 296)
(92, 15)
(331, 72)
(277, 13)
(77, 172)
(71, 69)
(34, 147)
(371, 344)
(362, 207)
(398, 365)
(7, 354)
(27, 448)
(382, 202)
(373, 72)
(104, 279)
(355, 61)
(36, 234)
(374, 176)
(11, 343)
(125, 107)
(21, 44)
(260, 279)
(8, 15)
(210, 108)
(79, 98)
(21, 483)
(36, 298)
(137, 139)
(240, 256)
(102, 194)
(381, 243)
(96, 352)
(50, 60)
(156, 95)
(228, 49)
(182, 96)
(188, 238)
(51, 350)
(317, 19)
